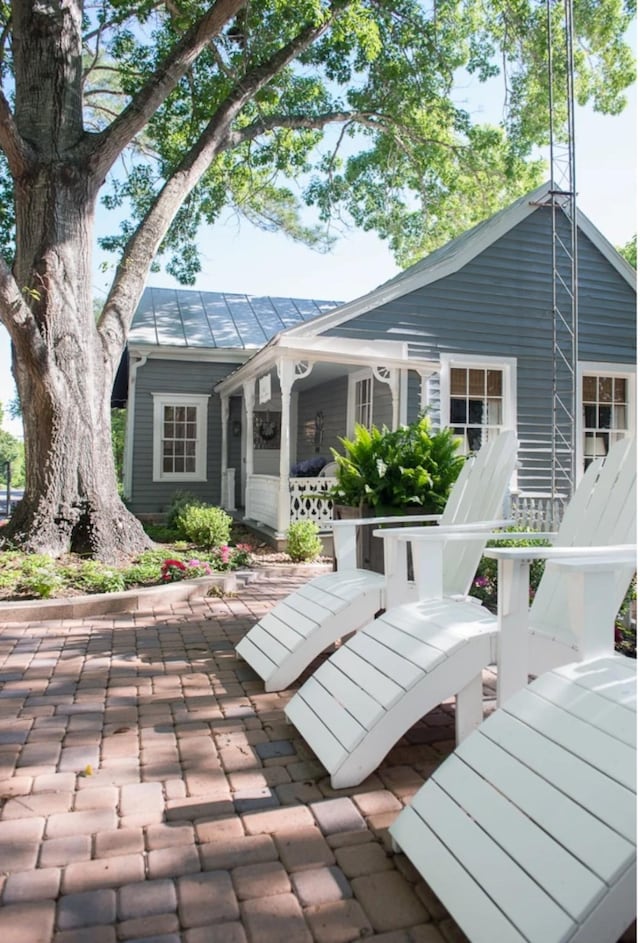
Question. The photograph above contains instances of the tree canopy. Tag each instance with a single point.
(172, 111)
(230, 104)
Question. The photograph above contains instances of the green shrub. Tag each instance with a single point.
(160, 533)
(303, 542)
(204, 525)
(94, 577)
(179, 502)
(390, 469)
(40, 577)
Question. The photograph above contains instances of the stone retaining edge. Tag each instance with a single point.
(130, 600)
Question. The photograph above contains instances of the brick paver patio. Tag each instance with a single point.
(150, 790)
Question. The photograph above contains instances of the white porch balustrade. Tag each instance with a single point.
(304, 501)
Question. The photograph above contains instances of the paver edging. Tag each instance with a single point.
(142, 599)
(146, 598)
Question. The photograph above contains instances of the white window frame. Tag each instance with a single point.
(509, 368)
(200, 401)
(626, 371)
(354, 379)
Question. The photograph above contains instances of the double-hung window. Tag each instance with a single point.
(179, 437)
(360, 402)
(478, 398)
(607, 400)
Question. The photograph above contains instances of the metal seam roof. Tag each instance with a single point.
(170, 317)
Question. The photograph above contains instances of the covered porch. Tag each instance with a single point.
(286, 408)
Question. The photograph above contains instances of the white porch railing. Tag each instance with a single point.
(262, 499)
(536, 511)
(304, 503)
(533, 511)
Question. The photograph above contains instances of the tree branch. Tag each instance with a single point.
(106, 146)
(12, 143)
(16, 315)
(139, 252)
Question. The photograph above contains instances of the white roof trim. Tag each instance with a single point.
(454, 256)
(338, 350)
(237, 355)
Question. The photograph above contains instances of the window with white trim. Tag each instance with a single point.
(607, 402)
(364, 402)
(179, 437)
(476, 403)
(360, 400)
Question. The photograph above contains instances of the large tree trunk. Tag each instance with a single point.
(63, 366)
(71, 500)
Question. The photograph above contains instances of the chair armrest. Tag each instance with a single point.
(575, 557)
(344, 534)
(443, 531)
(592, 582)
(395, 519)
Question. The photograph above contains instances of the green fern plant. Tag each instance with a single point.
(390, 469)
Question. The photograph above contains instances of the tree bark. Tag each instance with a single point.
(63, 369)
(71, 500)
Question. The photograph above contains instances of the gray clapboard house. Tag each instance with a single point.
(238, 406)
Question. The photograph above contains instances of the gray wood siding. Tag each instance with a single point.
(331, 399)
(167, 376)
(500, 304)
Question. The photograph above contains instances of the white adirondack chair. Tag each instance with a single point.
(333, 605)
(363, 698)
(527, 832)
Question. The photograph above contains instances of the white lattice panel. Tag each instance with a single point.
(307, 503)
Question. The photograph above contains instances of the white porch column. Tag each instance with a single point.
(391, 376)
(288, 373)
(224, 460)
(249, 390)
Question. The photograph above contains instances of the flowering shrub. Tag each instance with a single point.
(230, 558)
(174, 570)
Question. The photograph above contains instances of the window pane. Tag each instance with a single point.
(190, 432)
(476, 382)
(604, 417)
(590, 417)
(494, 383)
(620, 390)
(589, 389)
(476, 411)
(458, 382)
(605, 389)
(474, 438)
(458, 410)
(494, 412)
(620, 417)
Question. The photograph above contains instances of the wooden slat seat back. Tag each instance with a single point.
(601, 513)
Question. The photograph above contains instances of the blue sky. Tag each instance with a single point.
(239, 258)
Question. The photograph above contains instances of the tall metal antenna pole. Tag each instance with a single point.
(562, 201)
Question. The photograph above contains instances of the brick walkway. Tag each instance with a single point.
(151, 791)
